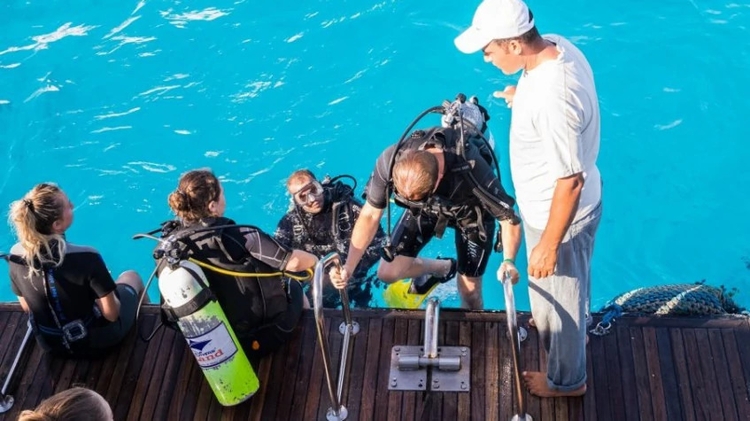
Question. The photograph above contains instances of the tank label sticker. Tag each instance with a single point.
(213, 347)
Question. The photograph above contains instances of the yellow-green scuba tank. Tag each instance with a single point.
(202, 321)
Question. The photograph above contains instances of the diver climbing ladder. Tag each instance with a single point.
(348, 328)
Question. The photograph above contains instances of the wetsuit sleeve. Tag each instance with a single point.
(13, 286)
(100, 280)
(264, 248)
(376, 189)
(497, 201)
(284, 233)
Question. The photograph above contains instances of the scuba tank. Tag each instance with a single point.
(202, 322)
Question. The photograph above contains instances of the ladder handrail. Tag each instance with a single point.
(338, 411)
(510, 311)
(431, 319)
(6, 401)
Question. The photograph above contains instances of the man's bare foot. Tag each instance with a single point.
(536, 382)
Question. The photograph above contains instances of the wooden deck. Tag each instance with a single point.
(646, 369)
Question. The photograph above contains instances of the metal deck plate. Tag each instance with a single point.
(442, 381)
(453, 381)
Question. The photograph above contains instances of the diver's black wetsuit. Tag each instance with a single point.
(263, 311)
(455, 204)
(331, 230)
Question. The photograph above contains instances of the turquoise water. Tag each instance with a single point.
(113, 100)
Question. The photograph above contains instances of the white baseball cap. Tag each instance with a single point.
(495, 19)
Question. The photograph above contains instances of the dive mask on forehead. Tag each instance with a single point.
(308, 193)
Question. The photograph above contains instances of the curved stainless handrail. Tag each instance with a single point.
(338, 411)
(432, 314)
(510, 311)
(6, 401)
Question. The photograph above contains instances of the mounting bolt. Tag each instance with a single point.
(394, 382)
(463, 385)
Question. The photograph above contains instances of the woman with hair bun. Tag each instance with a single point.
(262, 310)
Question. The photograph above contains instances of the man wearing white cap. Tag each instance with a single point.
(554, 143)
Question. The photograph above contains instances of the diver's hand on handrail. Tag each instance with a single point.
(507, 271)
(339, 276)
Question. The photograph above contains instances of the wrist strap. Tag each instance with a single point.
(509, 261)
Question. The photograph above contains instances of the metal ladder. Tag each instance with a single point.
(348, 328)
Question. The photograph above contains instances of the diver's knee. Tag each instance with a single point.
(132, 278)
(388, 272)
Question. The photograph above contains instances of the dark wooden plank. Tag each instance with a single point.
(124, 389)
(195, 384)
(530, 349)
(709, 373)
(478, 373)
(27, 392)
(651, 348)
(683, 374)
(621, 372)
(5, 340)
(506, 403)
(668, 375)
(155, 377)
(464, 398)
(740, 383)
(411, 400)
(589, 399)
(309, 346)
(44, 371)
(450, 400)
(371, 369)
(602, 393)
(394, 398)
(701, 395)
(492, 356)
(642, 374)
(281, 398)
(721, 370)
(546, 406)
(384, 363)
(125, 374)
(181, 382)
(743, 344)
(176, 364)
(318, 384)
(263, 371)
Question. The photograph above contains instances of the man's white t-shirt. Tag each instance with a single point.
(554, 133)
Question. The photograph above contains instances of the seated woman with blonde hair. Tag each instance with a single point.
(76, 404)
(76, 309)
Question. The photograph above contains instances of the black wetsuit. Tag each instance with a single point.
(460, 208)
(70, 291)
(263, 311)
(331, 230)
